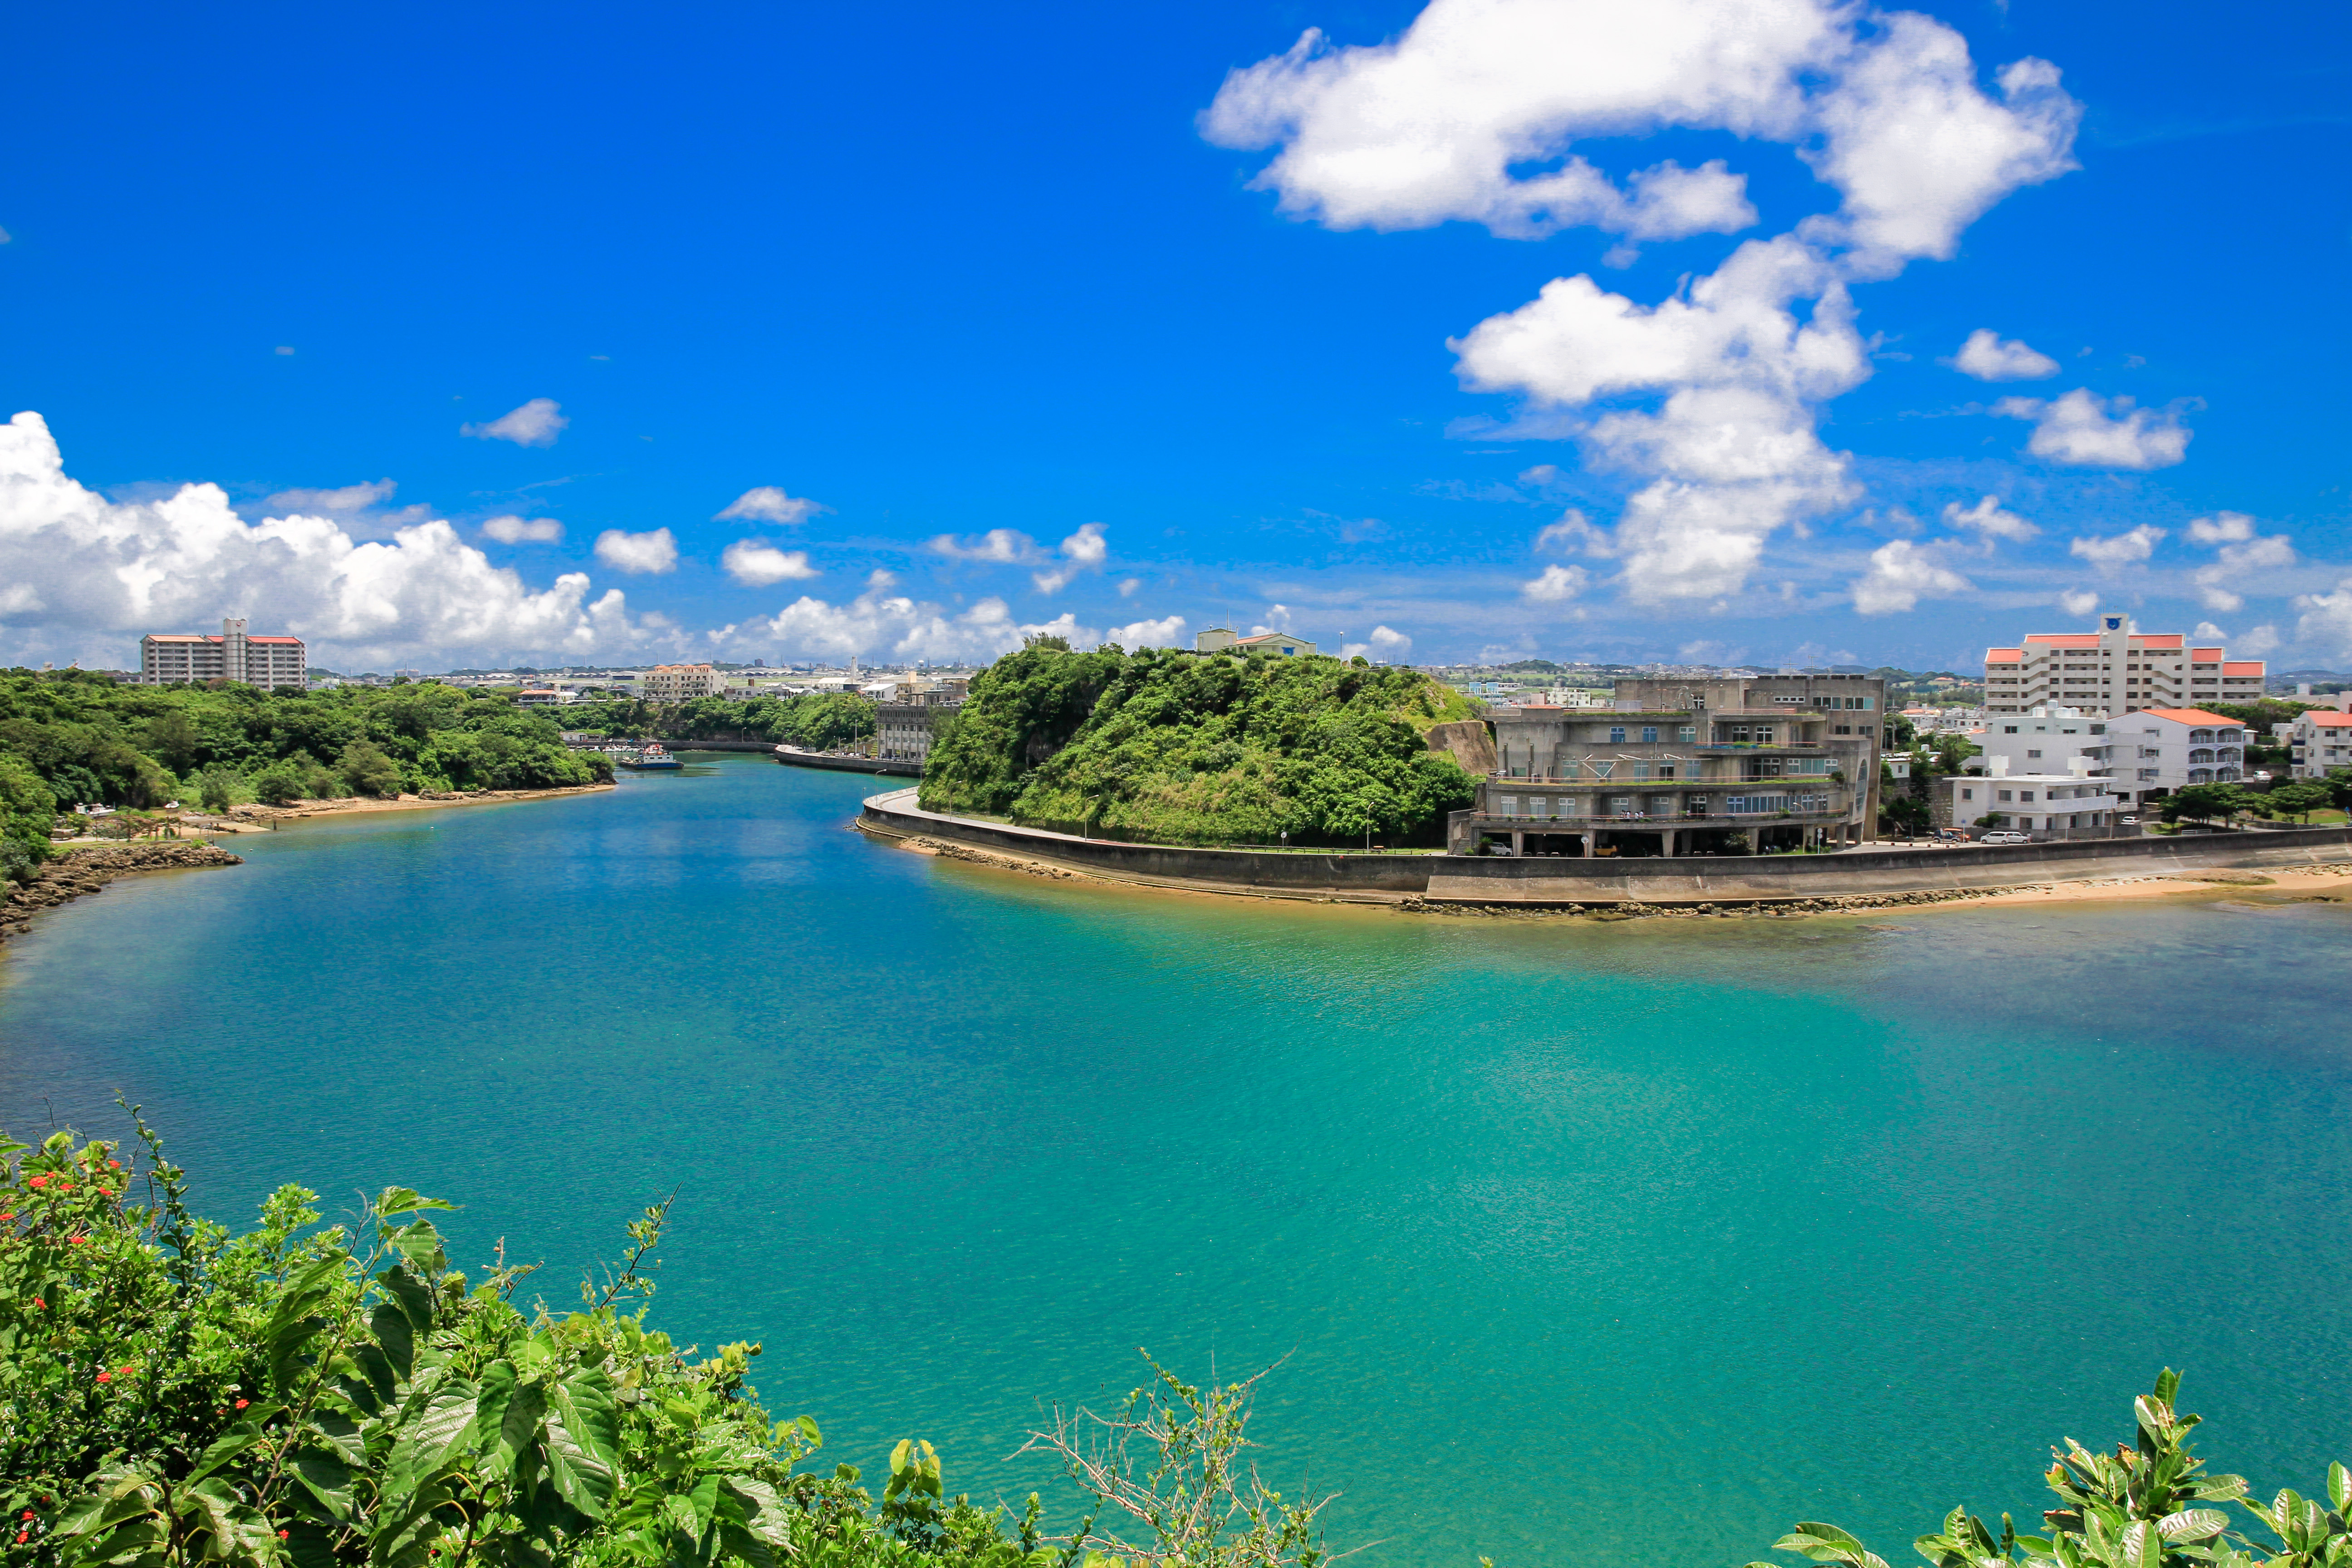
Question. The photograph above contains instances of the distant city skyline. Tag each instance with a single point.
(1532, 327)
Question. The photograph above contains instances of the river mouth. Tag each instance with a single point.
(1852, 1216)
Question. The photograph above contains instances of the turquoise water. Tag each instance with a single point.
(1585, 1241)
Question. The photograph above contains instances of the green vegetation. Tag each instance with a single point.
(1173, 748)
(816, 721)
(292, 1397)
(2148, 1504)
(70, 737)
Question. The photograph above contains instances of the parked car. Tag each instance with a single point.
(2005, 836)
(2127, 822)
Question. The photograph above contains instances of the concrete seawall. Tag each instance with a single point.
(1541, 883)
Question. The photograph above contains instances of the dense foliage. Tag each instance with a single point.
(2150, 1504)
(815, 720)
(1176, 748)
(81, 738)
(172, 1395)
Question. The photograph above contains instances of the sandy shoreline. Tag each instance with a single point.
(261, 818)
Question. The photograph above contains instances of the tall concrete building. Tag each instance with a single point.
(2114, 670)
(1678, 767)
(231, 655)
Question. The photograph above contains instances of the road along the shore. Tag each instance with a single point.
(1859, 879)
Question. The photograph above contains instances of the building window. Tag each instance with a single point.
(1509, 805)
(1649, 735)
(1689, 733)
(1640, 770)
(2003, 794)
(2032, 753)
(1968, 795)
(1665, 770)
(1617, 733)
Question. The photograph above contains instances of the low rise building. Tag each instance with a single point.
(166, 656)
(2152, 753)
(2053, 804)
(1221, 639)
(2319, 741)
(1716, 765)
(681, 683)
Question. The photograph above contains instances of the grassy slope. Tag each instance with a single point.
(1176, 748)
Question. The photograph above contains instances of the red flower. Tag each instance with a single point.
(38, 1182)
(123, 1373)
(77, 1240)
(106, 1377)
(114, 1164)
(44, 1306)
(240, 1405)
(281, 1535)
(23, 1536)
(28, 1513)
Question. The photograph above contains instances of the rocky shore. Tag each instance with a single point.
(88, 870)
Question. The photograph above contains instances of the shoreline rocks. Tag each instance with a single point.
(87, 870)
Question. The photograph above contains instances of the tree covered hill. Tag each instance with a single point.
(69, 738)
(1177, 748)
(815, 720)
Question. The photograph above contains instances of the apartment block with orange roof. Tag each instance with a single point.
(2318, 741)
(2114, 670)
(166, 658)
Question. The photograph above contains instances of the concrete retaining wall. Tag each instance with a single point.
(1461, 879)
(849, 764)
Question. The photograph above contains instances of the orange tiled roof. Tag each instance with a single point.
(2162, 640)
(2252, 667)
(2065, 639)
(2004, 655)
(2188, 716)
(2207, 654)
(2330, 719)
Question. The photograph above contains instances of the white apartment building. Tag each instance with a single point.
(680, 682)
(2318, 741)
(166, 656)
(2037, 803)
(2156, 750)
(2115, 669)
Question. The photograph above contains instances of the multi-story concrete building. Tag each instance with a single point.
(905, 727)
(2045, 804)
(1705, 766)
(2113, 670)
(2150, 753)
(2318, 741)
(681, 683)
(231, 655)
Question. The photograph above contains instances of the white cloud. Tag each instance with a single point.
(2326, 619)
(2113, 551)
(1557, 584)
(2079, 601)
(1989, 356)
(637, 553)
(1165, 633)
(2248, 554)
(1387, 643)
(2207, 632)
(877, 621)
(2081, 430)
(757, 563)
(2222, 528)
(1084, 551)
(1572, 532)
(88, 576)
(1001, 546)
(1988, 519)
(330, 503)
(5, 237)
(2258, 642)
(535, 424)
(1127, 586)
(523, 530)
(1438, 123)
(769, 503)
(1901, 574)
(1277, 619)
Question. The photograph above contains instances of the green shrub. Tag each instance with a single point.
(27, 808)
(175, 1395)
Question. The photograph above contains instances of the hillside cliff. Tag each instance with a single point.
(1180, 748)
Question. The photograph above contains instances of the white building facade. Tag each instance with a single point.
(266, 661)
(681, 683)
(2319, 741)
(2115, 669)
(2045, 804)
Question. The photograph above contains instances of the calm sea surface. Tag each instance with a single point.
(1586, 1242)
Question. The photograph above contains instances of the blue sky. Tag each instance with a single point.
(943, 272)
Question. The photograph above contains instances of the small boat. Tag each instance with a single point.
(651, 758)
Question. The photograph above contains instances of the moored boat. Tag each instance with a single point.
(651, 758)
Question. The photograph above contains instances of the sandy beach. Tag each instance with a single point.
(261, 818)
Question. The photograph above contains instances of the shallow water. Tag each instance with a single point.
(1584, 1241)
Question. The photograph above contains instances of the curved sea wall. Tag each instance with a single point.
(1537, 883)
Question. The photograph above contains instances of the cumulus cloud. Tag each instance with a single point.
(2078, 601)
(1084, 551)
(88, 576)
(1127, 586)
(2112, 553)
(332, 502)
(756, 563)
(1473, 113)
(523, 530)
(2257, 642)
(877, 621)
(2079, 430)
(769, 503)
(1573, 531)
(1168, 632)
(1901, 574)
(1988, 521)
(1000, 546)
(1555, 585)
(535, 424)
(1989, 356)
(2326, 619)
(638, 555)
(2246, 554)
(1277, 619)
(2222, 528)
